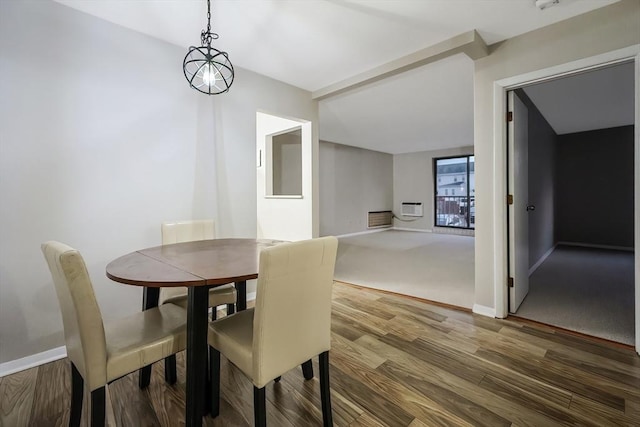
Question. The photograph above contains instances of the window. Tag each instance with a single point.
(455, 178)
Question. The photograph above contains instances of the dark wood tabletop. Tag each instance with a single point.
(198, 265)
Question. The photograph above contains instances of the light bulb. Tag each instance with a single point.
(209, 74)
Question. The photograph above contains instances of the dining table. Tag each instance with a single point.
(199, 266)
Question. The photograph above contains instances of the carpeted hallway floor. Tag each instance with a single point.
(437, 267)
(580, 289)
(585, 290)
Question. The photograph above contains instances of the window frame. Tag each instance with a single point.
(469, 196)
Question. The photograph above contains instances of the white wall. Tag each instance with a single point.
(235, 126)
(603, 30)
(284, 217)
(413, 182)
(353, 181)
(101, 140)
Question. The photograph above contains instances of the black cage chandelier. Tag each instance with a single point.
(207, 69)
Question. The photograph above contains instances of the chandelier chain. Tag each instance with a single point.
(209, 16)
(207, 36)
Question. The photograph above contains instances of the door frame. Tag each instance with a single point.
(500, 88)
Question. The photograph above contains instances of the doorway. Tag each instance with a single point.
(575, 199)
(500, 142)
(286, 178)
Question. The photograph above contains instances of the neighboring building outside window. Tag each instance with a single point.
(457, 207)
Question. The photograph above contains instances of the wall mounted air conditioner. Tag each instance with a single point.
(411, 209)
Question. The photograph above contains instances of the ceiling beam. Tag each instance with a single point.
(469, 43)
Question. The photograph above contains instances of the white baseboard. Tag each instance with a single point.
(484, 310)
(376, 230)
(13, 366)
(590, 245)
(544, 256)
(418, 230)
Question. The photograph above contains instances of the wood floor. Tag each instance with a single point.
(395, 361)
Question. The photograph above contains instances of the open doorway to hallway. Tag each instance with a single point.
(580, 207)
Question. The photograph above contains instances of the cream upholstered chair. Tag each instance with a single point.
(189, 231)
(290, 324)
(103, 352)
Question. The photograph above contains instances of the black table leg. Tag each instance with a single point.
(241, 289)
(197, 324)
(150, 297)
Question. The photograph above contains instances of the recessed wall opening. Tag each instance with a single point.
(284, 163)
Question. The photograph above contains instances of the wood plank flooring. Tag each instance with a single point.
(395, 361)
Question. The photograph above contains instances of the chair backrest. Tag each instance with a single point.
(187, 231)
(292, 319)
(81, 317)
(179, 232)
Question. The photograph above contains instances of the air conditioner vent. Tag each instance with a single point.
(379, 219)
(411, 209)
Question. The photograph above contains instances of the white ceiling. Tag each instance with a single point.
(598, 99)
(312, 44)
(426, 108)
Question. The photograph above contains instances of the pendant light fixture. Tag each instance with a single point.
(207, 69)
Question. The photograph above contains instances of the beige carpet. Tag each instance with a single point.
(585, 290)
(437, 267)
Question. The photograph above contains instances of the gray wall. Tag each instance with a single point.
(101, 140)
(542, 160)
(595, 187)
(413, 182)
(353, 181)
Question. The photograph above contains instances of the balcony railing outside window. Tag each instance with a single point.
(452, 211)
